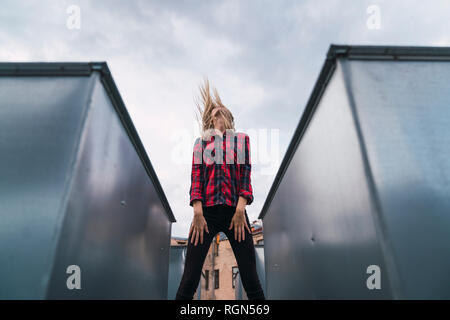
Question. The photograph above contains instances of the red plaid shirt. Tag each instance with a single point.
(221, 182)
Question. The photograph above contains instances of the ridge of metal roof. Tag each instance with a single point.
(350, 52)
(86, 69)
(377, 52)
(45, 68)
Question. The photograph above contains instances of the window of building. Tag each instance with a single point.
(206, 279)
(234, 273)
(216, 279)
(217, 250)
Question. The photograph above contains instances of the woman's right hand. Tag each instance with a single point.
(198, 226)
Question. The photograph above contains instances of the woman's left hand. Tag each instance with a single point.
(240, 223)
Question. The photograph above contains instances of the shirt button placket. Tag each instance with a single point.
(221, 174)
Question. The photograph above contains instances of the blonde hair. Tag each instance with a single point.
(209, 105)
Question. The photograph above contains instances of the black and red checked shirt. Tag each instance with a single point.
(221, 182)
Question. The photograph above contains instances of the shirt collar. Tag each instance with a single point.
(218, 132)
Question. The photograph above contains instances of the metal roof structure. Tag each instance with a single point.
(86, 69)
(349, 52)
(78, 189)
(364, 184)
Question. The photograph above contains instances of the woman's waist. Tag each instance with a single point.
(222, 207)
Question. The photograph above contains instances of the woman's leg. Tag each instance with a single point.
(245, 255)
(195, 258)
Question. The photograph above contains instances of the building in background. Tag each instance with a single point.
(220, 273)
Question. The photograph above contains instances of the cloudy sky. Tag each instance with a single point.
(262, 56)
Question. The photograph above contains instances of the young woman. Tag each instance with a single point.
(220, 190)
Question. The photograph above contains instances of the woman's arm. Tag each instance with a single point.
(197, 177)
(246, 190)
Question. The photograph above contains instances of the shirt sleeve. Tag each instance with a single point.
(196, 190)
(246, 190)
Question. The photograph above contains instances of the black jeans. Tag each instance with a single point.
(218, 218)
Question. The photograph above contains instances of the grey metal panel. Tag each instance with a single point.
(404, 114)
(115, 228)
(319, 230)
(365, 52)
(40, 120)
(128, 125)
(38, 70)
(260, 266)
(76, 188)
(176, 268)
(366, 180)
(239, 290)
